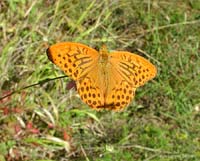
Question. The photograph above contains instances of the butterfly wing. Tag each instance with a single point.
(133, 68)
(75, 59)
(120, 96)
(91, 92)
(80, 63)
(128, 71)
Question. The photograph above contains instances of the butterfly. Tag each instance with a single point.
(104, 80)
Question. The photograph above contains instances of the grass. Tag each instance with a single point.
(49, 122)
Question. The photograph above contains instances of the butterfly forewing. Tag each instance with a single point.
(75, 59)
(133, 68)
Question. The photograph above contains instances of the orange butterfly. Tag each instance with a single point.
(104, 80)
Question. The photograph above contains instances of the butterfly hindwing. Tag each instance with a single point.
(120, 96)
(90, 93)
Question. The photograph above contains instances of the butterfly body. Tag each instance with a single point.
(104, 80)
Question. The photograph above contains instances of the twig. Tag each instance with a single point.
(84, 153)
(32, 85)
(157, 28)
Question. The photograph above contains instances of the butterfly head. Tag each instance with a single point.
(104, 52)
